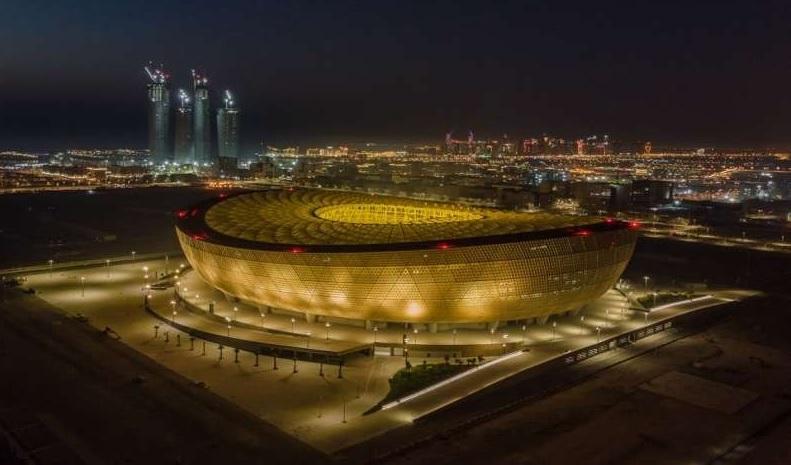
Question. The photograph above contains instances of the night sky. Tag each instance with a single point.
(675, 72)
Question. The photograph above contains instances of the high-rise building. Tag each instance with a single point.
(201, 118)
(159, 115)
(183, 143)
(228, 128)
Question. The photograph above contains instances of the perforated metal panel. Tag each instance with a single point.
(460, 284)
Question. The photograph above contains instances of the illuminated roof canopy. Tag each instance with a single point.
(316, 217)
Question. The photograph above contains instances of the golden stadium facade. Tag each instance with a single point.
(389, 259)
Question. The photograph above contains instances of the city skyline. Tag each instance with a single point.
(679, 73)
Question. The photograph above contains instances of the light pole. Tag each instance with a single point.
(235, 313)
(327, 329)
(598, 334)
(51, 262)
(308, 341)
(173, 305)
(554, 326)
(415, 331)
(107, 266)
(454, 336)
(491, 336)
(82, 283)
(293, 325)
(524, 333)
(133, 255)
(376, 330)
(262, 318)
(228, 321)
(645, 282)
(582, 324)
(505, 340)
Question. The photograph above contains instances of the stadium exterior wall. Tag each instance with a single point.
(465, 284)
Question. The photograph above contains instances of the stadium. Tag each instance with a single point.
(359, 258)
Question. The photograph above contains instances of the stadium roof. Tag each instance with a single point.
(330, 218)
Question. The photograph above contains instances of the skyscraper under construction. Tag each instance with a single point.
(201, 118)
(183, 145)
(159, 115)
(228, 128)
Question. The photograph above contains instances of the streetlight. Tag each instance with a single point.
(598, 334)
(554, 325)
(228, 321)
(308, 343)
(262, 318)
(376, 330)
(645, 282)
(133, 255)
(82, 282)
(415, 331)
(173, 304)
(454, 336)
(235, 313)
(293, 325)
(491, 336)
(51, 262)
(524, 333)
(327, 328)
(107, 266)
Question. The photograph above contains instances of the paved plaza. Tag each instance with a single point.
(324, 411)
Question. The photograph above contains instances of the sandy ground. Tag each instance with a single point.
(302, 404)
(609, 419)
(81, 384)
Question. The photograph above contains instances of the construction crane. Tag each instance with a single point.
(156, 74)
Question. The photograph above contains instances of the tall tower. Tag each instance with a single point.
(201, 118)
(158, 115)
(228, 128)
(183, 145)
